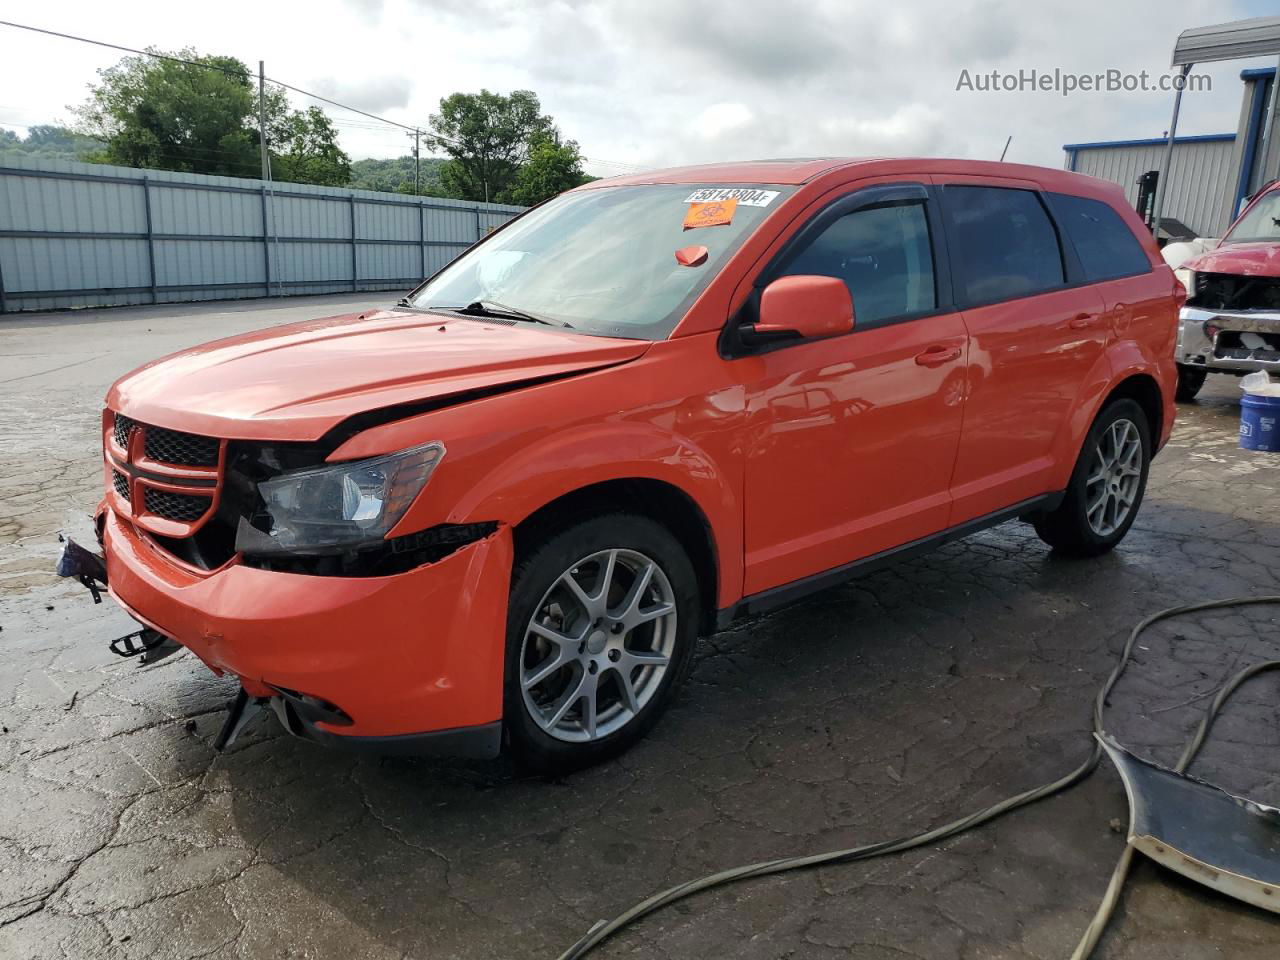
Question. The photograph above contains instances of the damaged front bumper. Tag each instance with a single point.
(407, 663)
(1228, 341)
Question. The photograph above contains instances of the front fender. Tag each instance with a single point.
(591, 454)
(512, 454)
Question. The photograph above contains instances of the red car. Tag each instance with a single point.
(503, 511)
(1231, 320)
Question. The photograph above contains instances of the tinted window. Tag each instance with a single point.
(883, 256)
(1106, 247)
(1003, 243)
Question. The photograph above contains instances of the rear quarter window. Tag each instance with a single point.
(1003, 241)
(1104, 243)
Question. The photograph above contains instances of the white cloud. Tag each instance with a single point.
(721, 119)
(374, 94)
(668, 81)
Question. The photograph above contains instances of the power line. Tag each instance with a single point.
(116, 46)
(316, 96)
(208, 66)
(246, 75)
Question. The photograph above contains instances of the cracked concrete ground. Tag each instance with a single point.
(885, 706)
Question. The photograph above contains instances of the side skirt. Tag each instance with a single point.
(774, 597)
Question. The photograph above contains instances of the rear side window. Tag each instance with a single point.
(1003, 241)
(1105, 245)
(882, 254)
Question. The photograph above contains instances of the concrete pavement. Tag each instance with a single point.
(881, 707)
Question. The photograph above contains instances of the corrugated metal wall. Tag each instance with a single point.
(1203, 174)
(80, 235)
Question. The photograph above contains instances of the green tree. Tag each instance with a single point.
(53, 142)
(191, 117)
(395, 175)
(304, 149)
(202, 117)
(487, 138)
(551, 168)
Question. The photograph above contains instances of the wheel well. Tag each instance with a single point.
(659, 501)
(1143, 390)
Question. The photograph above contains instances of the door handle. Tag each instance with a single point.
(937, 355)
(1082, 321)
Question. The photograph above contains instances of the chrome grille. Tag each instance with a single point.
(180, 507)
(184, 449)
(121, 483)
(124, 427)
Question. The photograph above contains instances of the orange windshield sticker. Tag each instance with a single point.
(714, 214)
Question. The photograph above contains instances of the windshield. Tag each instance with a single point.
(603, 261)
(1262, 222)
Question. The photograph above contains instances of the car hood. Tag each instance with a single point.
(296, 382)
(1241, 259)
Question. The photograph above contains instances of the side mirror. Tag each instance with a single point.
(801, 307)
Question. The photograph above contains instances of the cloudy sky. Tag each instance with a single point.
(661, 82)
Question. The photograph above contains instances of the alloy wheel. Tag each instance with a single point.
(598, 645)
(1116, 474)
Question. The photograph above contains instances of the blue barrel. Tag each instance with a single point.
(1260, 423)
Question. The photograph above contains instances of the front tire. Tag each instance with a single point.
(1190, 380)
(602, 622)
(1106, 486)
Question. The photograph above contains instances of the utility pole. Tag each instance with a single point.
(1268, 126)
(262, 122)
(268, 219)
(417, 163)
(1162, 182)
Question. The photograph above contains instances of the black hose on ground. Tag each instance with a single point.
(607, 928)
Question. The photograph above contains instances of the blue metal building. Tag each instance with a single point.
(1211, 175)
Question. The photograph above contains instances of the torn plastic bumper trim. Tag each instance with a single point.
(1201, 831)
(86, 566)
(314, 709)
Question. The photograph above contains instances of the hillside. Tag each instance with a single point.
(396, 175)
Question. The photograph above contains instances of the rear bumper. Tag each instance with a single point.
(420, 653)
(1195, 348)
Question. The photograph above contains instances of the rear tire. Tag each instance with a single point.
(1106, 486)
(602, 622)
(1190, 380)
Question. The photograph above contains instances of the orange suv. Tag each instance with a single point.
(503, 511)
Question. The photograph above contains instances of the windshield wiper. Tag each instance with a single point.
(491, 308)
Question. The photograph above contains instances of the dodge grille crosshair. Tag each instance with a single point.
(187, 449)
(124, 428)
(167, 479)
(175, 506)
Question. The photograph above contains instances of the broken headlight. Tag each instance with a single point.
(339, 506)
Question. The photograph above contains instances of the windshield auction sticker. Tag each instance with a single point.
(717, 213)
(746, 196)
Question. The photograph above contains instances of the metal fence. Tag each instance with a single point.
(82, 235)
